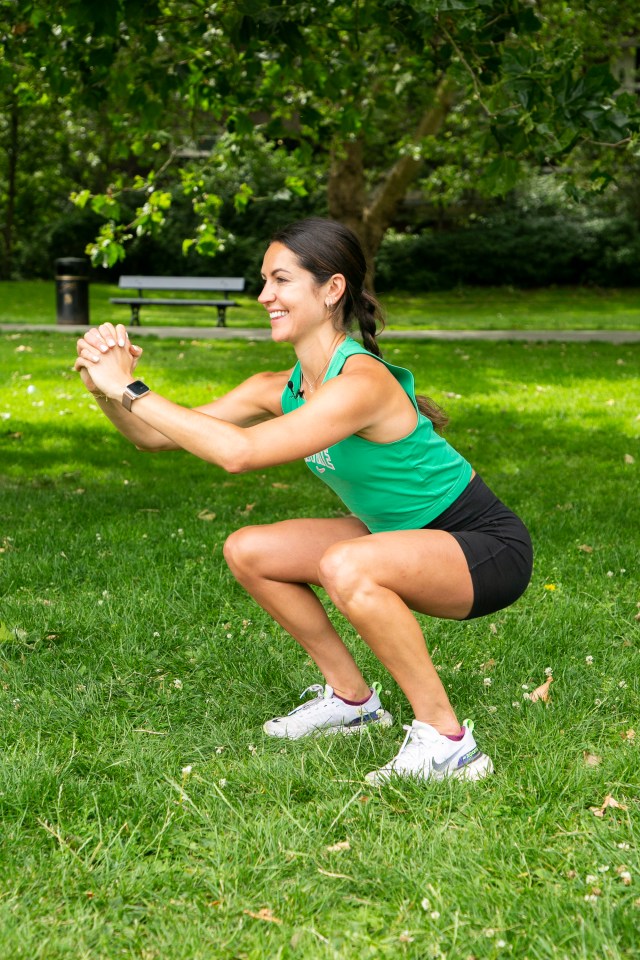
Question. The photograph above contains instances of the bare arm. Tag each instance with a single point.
(253, 401)
(351, 403)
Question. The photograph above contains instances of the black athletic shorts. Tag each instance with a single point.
(495, 542)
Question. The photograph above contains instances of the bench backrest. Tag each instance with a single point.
(216, 284)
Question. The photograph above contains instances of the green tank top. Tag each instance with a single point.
(401, 485)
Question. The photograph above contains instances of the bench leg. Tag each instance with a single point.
(222, 316)
(135, 315)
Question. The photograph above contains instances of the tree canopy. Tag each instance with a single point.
(371, 97)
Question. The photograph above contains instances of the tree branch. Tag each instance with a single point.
(380, 212)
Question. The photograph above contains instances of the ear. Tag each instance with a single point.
(334, 289)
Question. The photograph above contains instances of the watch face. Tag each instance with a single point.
(138, 388)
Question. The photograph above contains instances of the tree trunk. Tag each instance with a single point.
(347, 197)
(6, 266)
(346, 192)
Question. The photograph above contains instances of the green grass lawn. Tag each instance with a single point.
(478, 308)
(143, 812)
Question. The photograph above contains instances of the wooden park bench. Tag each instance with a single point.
(218, 285)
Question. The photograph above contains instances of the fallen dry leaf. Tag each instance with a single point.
(488, 665)
(629, 735)
(608, 801)
(249, 507)
(342, 845)
(591, 759)
(541, 692)
(280, 486)
(206, 515)
(263, 914)
(628, 458)
(585, 548)
(493, 628)
(337, 876)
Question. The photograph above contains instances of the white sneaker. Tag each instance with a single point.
(429, 755)
(327, 713)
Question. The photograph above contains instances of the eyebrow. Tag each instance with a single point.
(278, 270)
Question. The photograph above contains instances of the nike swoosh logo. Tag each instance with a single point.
(462, 761)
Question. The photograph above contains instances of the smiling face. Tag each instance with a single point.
(295, 302)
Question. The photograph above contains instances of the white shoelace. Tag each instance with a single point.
(316, 688)
(414, 741)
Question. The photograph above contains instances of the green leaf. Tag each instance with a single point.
(80, 199)
(501, 175)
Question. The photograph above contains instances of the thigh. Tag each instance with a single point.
(290, 550)
(426, 568)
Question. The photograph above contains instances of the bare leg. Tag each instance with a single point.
(276, 563)
(376, 583)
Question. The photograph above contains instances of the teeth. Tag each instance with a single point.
(275, 314)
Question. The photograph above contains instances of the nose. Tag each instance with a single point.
(265, 295)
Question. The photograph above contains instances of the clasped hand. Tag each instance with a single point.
(106, 359)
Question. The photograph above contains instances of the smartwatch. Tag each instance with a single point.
(132, 391)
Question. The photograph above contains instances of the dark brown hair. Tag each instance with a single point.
(325, 247)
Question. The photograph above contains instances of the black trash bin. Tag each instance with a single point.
(72, 290)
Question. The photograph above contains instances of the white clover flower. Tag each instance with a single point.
(177, 684)
(623, 846)
(253, 749)
(435, 914)
(548, 671)
(487, 681)
(223, 782)
(525, 686)
(588, 659)
(187, 770)
(425, 904)
(590, 878)
(622, 684)
(155, 633)
(219, 750)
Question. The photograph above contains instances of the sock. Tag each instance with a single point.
(457, 736)
(354, 703)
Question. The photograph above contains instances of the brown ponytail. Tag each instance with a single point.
(435, 413)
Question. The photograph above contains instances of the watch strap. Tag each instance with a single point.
(133, 391)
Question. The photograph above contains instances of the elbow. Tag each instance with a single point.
(238, 460)
(235, 465)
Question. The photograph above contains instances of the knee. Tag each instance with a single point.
(342, 572)
(241, 549)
